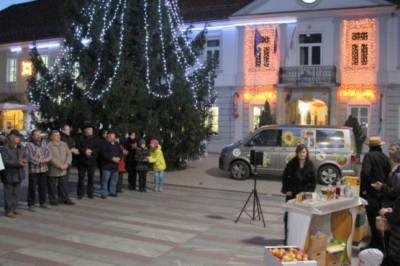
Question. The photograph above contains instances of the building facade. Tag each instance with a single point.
(315, 61)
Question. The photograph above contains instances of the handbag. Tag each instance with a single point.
(382, 224)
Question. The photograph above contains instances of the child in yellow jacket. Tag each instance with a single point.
(157, 158)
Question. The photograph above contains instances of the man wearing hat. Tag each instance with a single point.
(14, 158)
(88, 146)
(375, 168)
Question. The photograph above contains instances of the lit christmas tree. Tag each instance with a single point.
(131, 65)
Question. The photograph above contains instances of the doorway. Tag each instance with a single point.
(307, 111)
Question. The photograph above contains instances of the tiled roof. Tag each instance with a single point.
(43, 19)
(31, 21)
(209, 10)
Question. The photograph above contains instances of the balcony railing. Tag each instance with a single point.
(307, 75)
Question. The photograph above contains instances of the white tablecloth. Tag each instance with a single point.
(300, 217)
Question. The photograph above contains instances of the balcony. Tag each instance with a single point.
(307, 75)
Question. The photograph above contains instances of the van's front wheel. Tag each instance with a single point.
(240, 170)
(328, 174)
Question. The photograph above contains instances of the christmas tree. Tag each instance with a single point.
(130, 65)
(266, 117)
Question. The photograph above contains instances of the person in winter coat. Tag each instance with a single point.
(157, 159)
(88, 146)
(121, 168)
(111, 154)
(298, 176)
(61, 159)
(131, 146)
(15, 159)
(142, 164)
(38, 158)
(393, 216)
(375, 168)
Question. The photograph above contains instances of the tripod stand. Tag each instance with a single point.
(256, 202)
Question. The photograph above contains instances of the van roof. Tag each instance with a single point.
(304, 126)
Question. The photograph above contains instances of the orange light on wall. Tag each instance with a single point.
(358, 91)
(26, 68)
(259, 93)
(358, 51)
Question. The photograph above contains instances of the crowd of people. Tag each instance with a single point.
(48, 163)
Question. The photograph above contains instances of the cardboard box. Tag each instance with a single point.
(320, 258)
(333, 259)
(271, 260)
(318, 244)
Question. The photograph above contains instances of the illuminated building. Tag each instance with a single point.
(316, 63)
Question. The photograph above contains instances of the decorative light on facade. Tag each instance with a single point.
(358, 91)
(26, 68)
(261, 67)
(259, 93)
(358, 46)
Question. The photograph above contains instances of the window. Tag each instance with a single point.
(359, 48)
(362, 114)
(268, 138)
(75, 70)
(310, 49)
(330, 139)
(12, 70)
(45, 59)
(256, 112)
(263, 53)
(214, 119)
(212, 51)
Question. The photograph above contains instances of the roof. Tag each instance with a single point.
(37, 20)
(209, 10)
(43, 19)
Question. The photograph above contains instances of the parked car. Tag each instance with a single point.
(332, 150)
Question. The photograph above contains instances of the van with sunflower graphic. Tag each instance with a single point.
(332, 150)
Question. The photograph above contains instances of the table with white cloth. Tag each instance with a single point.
(331, 217)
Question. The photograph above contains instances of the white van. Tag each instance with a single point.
(332, 150)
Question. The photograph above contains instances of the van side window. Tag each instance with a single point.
(330, 138)
(268, 138)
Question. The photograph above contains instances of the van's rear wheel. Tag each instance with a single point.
(240, 170)
(328, 174)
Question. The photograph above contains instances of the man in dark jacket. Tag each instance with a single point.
(130, 162)
(88, 146)
(111, 154)
(14, 159)
(375, 167)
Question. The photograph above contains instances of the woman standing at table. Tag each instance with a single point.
(298, 176)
